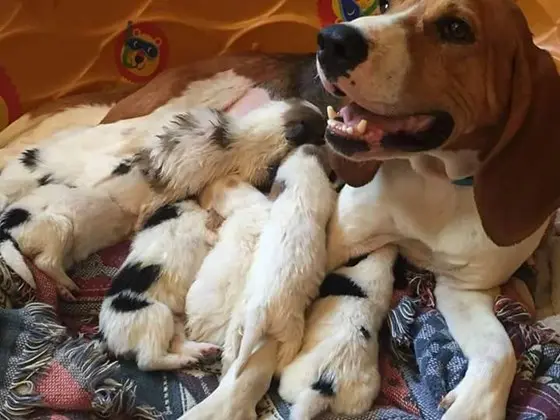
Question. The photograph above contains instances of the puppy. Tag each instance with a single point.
(179, 152)
(337, 367)
(56, 226)
(138, 314)
(212, 299)
(291, 256)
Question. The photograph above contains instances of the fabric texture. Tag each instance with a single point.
(54, 370)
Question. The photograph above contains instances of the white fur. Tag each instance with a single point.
(219, 284)
(177, 247)
(335, 349)
(437, 227)
(290, 259)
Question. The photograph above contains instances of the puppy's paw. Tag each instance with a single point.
(65, 293)
(200, 351)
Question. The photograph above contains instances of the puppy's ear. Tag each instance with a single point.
(518, 185)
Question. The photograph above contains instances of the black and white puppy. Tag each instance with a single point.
(56, 226)
(143, 310)
(337, 367)
(291, 257)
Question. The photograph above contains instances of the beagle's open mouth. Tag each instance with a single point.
(355, 130)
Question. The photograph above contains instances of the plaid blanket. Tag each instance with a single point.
(53, 370)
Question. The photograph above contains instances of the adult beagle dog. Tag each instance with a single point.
(446, 93)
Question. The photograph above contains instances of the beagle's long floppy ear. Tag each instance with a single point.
(518, 185)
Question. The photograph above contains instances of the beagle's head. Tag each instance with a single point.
(442, 77)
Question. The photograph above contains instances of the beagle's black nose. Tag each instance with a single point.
(341, 48)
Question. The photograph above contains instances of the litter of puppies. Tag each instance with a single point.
(230, 254)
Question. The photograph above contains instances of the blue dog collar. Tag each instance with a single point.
(464, 182)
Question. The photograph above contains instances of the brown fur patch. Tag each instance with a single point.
(282, 75)
(214, 220)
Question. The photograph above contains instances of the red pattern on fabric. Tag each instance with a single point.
(60, 391)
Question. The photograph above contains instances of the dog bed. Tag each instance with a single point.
(51, 368)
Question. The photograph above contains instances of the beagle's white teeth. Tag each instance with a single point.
(331, 113)
(361, 127)
(350, 130)
(331, 122)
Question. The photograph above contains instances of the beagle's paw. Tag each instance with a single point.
(475, 400)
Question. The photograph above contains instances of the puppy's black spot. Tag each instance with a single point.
(30, 158)
(336, 284)
(128, 303)
(186, 121)
(352, 262)
(221, 131)
(135, 278)
(324, 386)
(122, 168)
(164, 213)
(13, 218)
(46, 179)
(365, 332)
(303, 124)
(271, 172)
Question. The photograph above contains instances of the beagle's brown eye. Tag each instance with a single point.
(455, 30)
(384, 5)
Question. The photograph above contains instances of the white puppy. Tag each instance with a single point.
(290, 260)
(140, 313)
(337, 367)
(57, 226)
(219, 284)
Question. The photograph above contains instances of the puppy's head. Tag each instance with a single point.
(296, 120)
(306, 162)
(229, 194)
(442, 77)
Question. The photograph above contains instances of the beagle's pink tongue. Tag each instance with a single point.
(355, 121)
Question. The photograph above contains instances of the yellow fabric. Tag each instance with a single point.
(50, 48)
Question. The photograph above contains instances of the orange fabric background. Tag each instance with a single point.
(50, 48)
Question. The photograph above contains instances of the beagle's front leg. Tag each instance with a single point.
(483, 392)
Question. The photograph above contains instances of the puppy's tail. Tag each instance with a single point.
(309, 404)
(12, 258)
(254, 331)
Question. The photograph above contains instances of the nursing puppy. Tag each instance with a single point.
(214, 296)
(140, 313)
(291, 257)
(179, 152)
(56, 226)
(337, 367)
